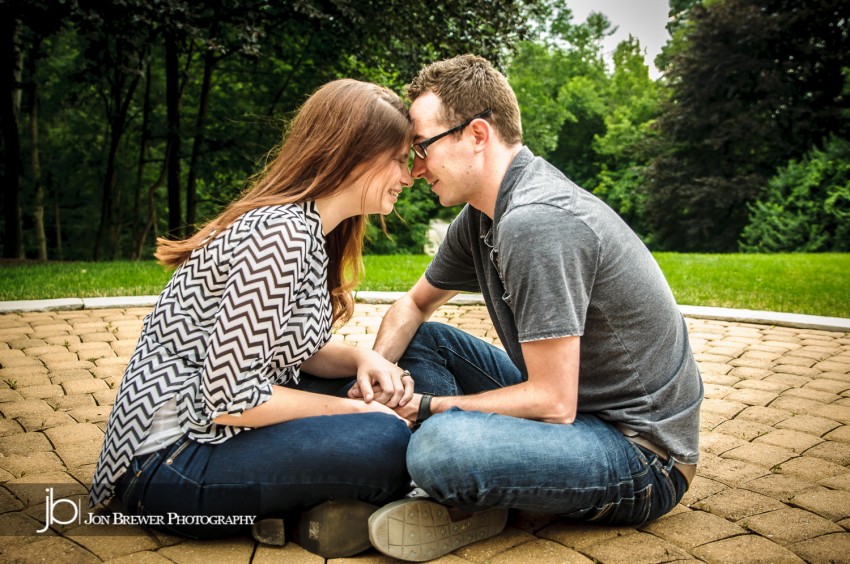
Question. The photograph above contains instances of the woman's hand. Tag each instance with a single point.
(286, 404)
(380, 380)
(375, 407)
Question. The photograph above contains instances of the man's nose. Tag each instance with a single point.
(418, 170)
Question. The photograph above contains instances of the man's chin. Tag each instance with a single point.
(445, 202)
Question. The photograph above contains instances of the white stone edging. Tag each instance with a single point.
(697, 312)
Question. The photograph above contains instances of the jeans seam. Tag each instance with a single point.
(667, 468)
(168, 462)
(663, 471)
(470, 363)
(137, 474)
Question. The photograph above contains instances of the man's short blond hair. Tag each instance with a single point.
(468, 85)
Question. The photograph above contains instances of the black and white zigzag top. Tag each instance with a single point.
(240, 315)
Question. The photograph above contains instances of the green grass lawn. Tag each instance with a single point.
(816, 284)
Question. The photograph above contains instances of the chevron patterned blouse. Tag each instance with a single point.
(240, 315)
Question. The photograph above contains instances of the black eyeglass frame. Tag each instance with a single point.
(421, 148)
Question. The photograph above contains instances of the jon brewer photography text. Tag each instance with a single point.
(64, 511)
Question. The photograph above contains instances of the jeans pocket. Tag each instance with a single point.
(667, 495)
(180, 447)
(632, 503)
(633, 510)
(664, 471)
(133, 478)
(662, 480)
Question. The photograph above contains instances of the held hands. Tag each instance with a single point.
(380, 380)
(410, 410)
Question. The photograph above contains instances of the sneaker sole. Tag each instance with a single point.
(417, 530)
(335, 529)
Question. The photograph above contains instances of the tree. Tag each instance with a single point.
(591, 122)
(10, 109)
(806, 207)
(135, 100)
(35, 158)
(561, 82)
(678, 22)
(27, 26)
(116, 56)
(755, 83)
(623, 151)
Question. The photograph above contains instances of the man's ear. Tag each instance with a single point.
(482, 132)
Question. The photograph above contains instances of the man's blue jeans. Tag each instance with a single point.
(270, 470)
(587, 470)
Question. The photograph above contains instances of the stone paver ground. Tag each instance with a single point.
(773, 484)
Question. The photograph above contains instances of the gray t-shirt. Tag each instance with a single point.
(556, 261)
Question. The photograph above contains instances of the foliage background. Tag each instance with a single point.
(132, 119)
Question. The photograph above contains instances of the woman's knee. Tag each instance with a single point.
(387, 443)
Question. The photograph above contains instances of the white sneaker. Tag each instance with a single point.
(416, 529)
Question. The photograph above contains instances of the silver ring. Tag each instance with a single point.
(405, 373)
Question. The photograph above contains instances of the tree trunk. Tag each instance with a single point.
(172, 153)
(295, 69)
(136, 229)
(10, 94)
(57, 223)
(108, 196)
(191, 192)
(107, 233)
(38, 188)
(151, 220)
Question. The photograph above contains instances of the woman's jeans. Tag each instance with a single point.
(587, 470)
(269, 470)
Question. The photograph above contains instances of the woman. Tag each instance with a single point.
(214, 423)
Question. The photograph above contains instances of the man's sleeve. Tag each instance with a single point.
(548, 261)
(453, 267)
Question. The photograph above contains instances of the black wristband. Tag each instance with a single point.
(424, 408)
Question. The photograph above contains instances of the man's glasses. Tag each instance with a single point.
(421, 148)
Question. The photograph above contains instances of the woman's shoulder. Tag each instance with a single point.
(280, 212)
(294, 221)
(294, 216)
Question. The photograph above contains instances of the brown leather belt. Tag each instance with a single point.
(687, 470)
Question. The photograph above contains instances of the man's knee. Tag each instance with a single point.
(439, 453)
(432, 332)
(429, 453)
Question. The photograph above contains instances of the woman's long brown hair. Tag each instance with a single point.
(342, 129)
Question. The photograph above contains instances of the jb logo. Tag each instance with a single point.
(50, 506)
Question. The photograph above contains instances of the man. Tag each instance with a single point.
(592, 410)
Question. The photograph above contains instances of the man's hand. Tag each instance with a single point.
(410, 410)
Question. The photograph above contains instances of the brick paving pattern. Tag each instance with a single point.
(773, 484)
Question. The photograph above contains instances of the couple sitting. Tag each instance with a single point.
(237, 401)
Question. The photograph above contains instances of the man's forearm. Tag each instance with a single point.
(549, 394)
(397, 329)
(525, 400)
